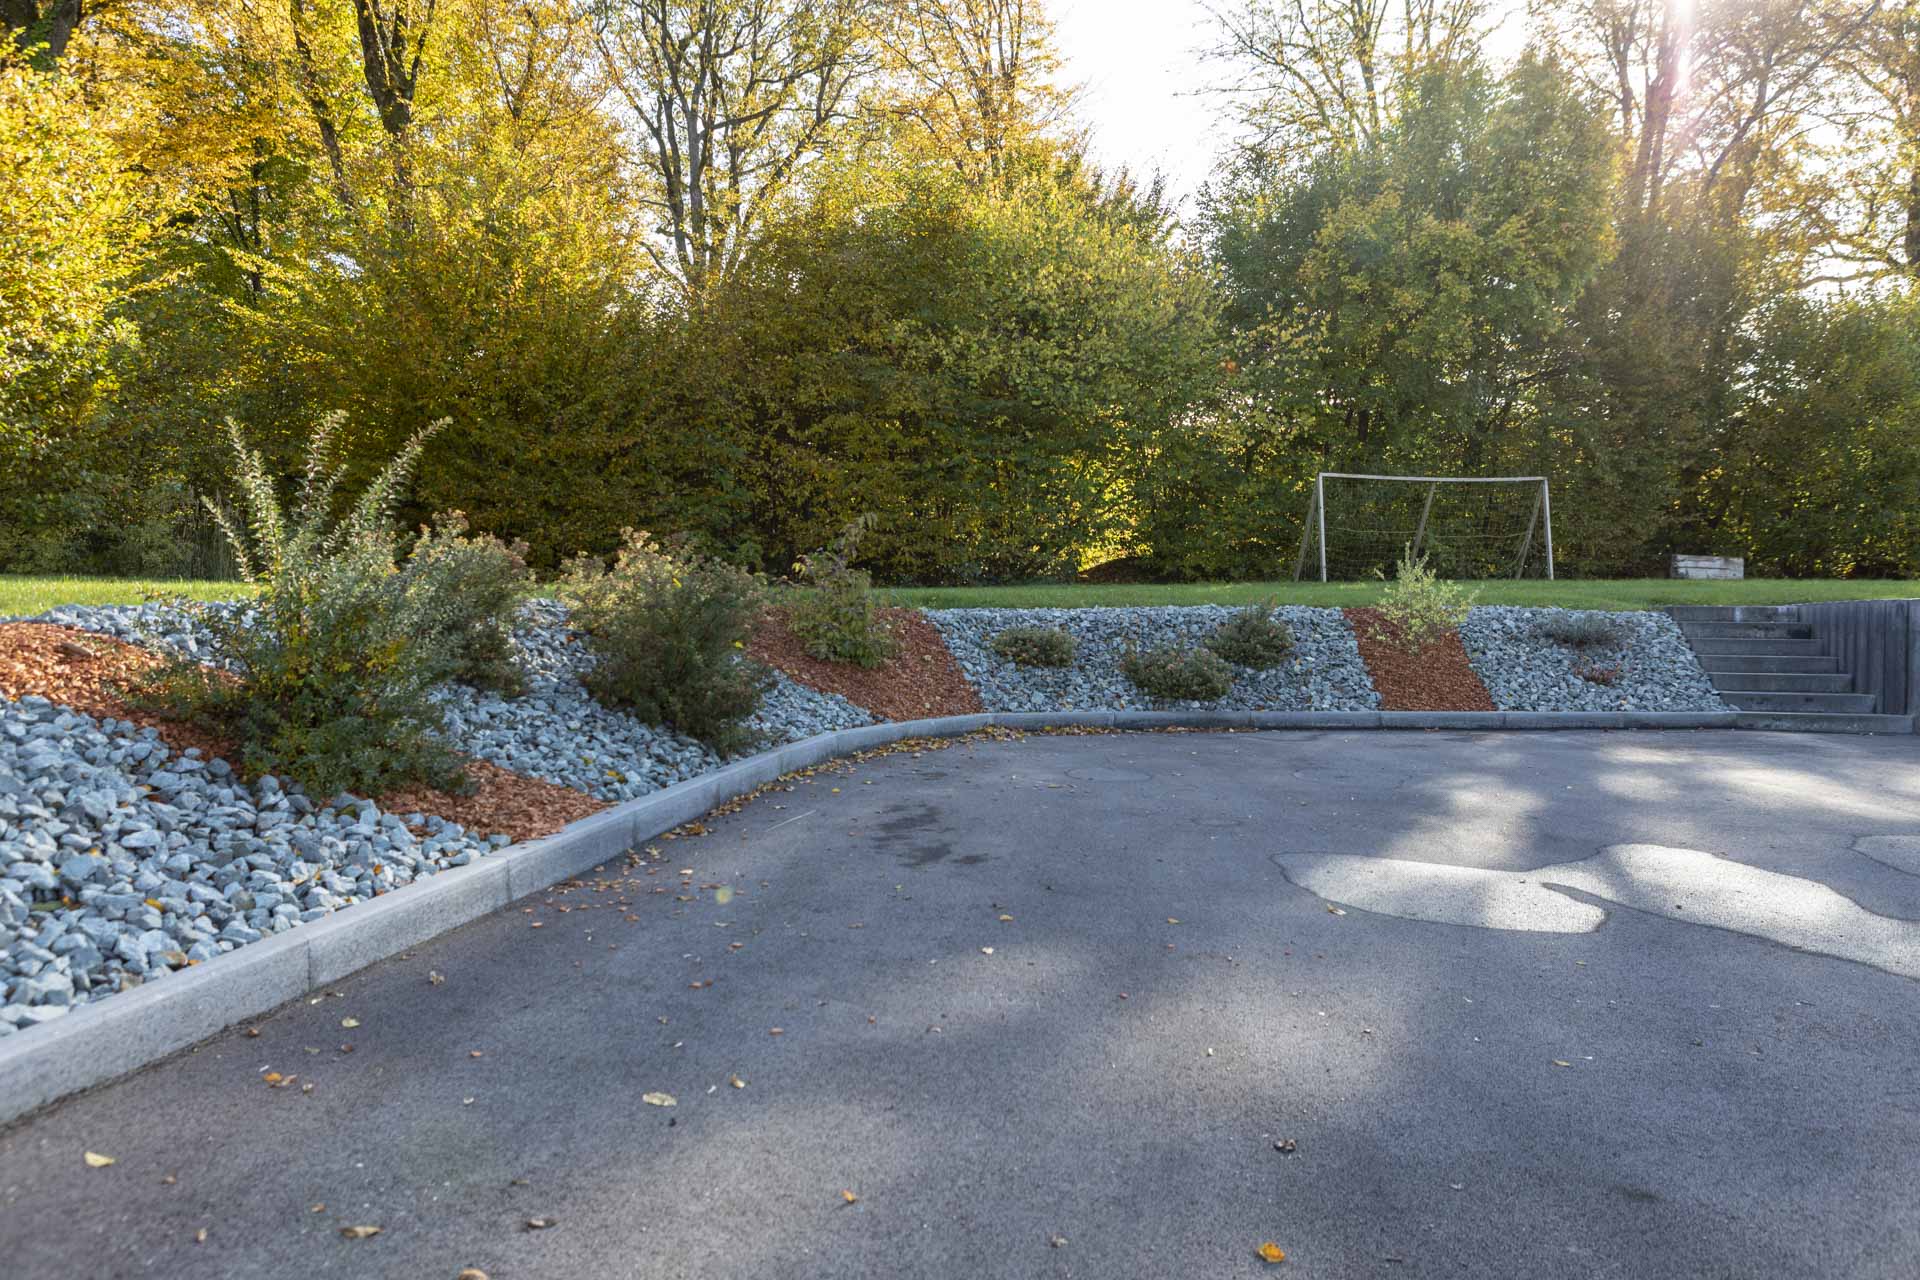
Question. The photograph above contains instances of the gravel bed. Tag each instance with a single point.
(1526, 671)
(1324, 673)
(121, 861)
(558, 732)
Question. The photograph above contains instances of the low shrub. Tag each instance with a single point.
(1172, 674)
(1418, 606)
(836, 617)
(470, 589)
(1253, 637)
(1036, 646)
(326, 676)
(1581, 629)
(668, 629)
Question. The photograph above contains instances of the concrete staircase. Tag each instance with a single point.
(1775, 671)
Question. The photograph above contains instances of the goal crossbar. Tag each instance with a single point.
(1316, 523)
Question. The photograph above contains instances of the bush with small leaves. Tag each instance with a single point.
(1418, 606)
(470, 589)
(1172, 674)
(1036, 646)
(326, 676)
(1253, 637)
(1582, 629)
(668, 629)
(835, 615)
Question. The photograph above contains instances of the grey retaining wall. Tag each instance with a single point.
(1878, 644)
(101, 1041)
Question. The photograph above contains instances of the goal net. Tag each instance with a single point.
(1466, 526)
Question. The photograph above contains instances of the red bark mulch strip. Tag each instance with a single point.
(1436, 678)
(84, 671)
(920, 680)
(74, 668)
(524, 808)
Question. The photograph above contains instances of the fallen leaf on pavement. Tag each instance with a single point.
(849, 1197)
(471, 1273)
(360, 1233)
(435, 977)
(658, 1099)
(541, 1224)
(736, 1082)
(97, 1161)
(1173, 920)
(1336, 911)
(1561, 1062)
(1271, 1252)
(986, 951)
(200, 1236)
(1057, 1242)
(349, 1023)
(1288, 1145)
(1005, 919)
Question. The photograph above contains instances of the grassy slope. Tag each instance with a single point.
(27, 595)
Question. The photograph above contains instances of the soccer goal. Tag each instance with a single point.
(1466, 526)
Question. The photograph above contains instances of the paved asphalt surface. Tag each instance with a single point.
(1611, 1093)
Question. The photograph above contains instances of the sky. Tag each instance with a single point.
(1143, 81)
(1140, 71)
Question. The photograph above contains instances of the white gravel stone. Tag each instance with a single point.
(1324, 672)
(1525, 671)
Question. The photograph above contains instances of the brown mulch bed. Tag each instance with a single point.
(524, 808)
(84, 671)
(79, 669)
(920, 680)
(1437, 678)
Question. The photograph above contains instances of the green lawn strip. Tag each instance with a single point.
(25, 594)
(1624, 593)
(21, 594)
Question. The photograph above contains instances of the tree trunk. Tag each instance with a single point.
(30, 27)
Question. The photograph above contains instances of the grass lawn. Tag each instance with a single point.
(1602, 593)
(27, 595)
(20, 593)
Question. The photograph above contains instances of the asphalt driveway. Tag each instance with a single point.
(1556, 1004)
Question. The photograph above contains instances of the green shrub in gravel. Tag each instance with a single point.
(1419, 605)
(1172, 674)
(1582, 630)
(837, 617)
(1253, 637)
(470, 589)
(326, 676)
(1036, 646)
(668, 629)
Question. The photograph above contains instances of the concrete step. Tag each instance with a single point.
(1772, 648)
(1747, 630)
(1823, 722)
(1846, 703)
(1782, 682)
(1715, 663)
(1732, 613)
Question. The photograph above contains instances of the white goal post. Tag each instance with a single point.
(1479, 533)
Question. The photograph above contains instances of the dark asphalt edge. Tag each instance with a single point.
(103, 1041)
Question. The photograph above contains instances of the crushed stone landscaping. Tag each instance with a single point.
(1323, 673)
(130, 848)
(1653, 670)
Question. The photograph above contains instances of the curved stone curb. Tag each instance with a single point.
(101, 1041)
